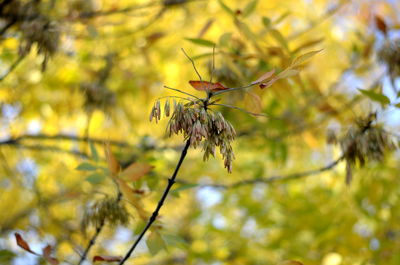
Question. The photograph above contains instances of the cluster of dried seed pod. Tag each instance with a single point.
(365, 142)
(36, 27)
(98, 96)
(389, 54)
(108, 209)
(201, 126)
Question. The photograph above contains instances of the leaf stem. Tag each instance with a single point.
(96, 234)
(153, 217)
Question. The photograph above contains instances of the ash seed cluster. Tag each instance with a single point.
(108, 209)
(201, 126)
(369, 145)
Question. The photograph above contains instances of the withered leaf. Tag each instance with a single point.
(381, 24)
(264, 77)
(107, 258)
(47, 257)
(23, 244)
(112, 162)
(207, 86)
(135, 171)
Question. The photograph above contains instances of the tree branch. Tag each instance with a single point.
(18, 139)
(96, 234)
(271, 179)
(153, 217)
(12, 67)
(276, 178)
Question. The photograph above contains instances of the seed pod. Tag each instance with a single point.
(167, 108)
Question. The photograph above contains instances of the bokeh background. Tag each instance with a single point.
(76, 74)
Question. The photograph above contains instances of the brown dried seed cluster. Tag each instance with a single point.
(98, 96)
(390, 55)
(362, 143)
(108, 209)
(200, 126)
(369, 145)
(36, 27)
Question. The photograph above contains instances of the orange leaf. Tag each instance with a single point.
(135, 171)
(133, 197)
(107, 258)
(264, 77)
(113, 164)
(22, 243)
(46, 256)
(207, 86)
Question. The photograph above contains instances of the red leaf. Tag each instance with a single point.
(207, 86)
(107, 258)
(22, 243)
(264, 77)
(380, 24)
(46, 256)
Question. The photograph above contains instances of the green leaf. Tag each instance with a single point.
(155, 243)
(174, 240)
(279, 38)
(86, 167)
(225, 39)
(249, 8)
(397, 105)
(398, 94)
(185, 187)
(375, 96)
(93, 151)
(266, 21)
(95, 178)
(203, 55)
(226, 8)
(282, 17)
(6, 256)
(245, 30)
(201, 42)
(304, 57)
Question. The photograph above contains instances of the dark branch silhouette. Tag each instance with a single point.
(153, 217)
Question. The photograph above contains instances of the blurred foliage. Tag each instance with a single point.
(76, 74)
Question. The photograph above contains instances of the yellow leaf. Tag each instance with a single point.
(287, 73)
(264, 77)
(132, 197)
(253, 101)
(112, 162)
(302, 58)
(135, 171)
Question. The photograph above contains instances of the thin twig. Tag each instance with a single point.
(213, 64)
(12, 67)
(92, 242)
(194, 65)
(153, 217)
(183, 92)
(327, 15)
(96, 234)
(116, 11)
(233, 89)
(237, 108)
(277, 178)
(269, 180)
(18, 139)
